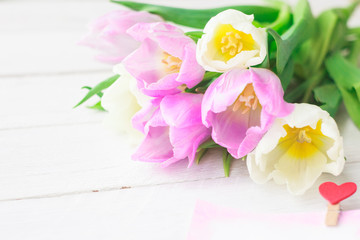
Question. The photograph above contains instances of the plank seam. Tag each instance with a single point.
(51, 74)
(50, 125)
(107, 189)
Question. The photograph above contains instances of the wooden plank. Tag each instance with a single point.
(61, 160)
(50, 16)
(46, 53)
(47, 100)
(58, 165)
(44, 38)
(69, 159)
(46, 42)
(87, 216)
(44, 160)
(161, 212)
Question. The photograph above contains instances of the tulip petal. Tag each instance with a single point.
(300, 174)
(156, 146)
(182, 110)
(108, 34)
(297, 149)
(169, 37)
(237, 130)
(190, 71)
(187, 140)
(229, 128)
(151, 78)
(268, 89)
(223, 92)
(211, 55)
(165, 61)
(122, 102)
(121, 105)
(148, 116)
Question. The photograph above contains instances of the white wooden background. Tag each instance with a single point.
(63, 176)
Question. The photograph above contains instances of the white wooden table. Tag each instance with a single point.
(63, 176)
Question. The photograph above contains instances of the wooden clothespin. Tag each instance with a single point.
(335, 194)
(332, 214)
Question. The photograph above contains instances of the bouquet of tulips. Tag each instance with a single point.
(261, 83)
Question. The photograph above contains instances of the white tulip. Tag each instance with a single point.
(230, 41)
(297, 149)
(122, 100)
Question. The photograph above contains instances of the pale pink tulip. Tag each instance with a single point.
(166, 60)
(108, 34)
(173, 129)
(241, 105)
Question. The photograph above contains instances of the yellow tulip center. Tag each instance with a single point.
(231, 43)
(171, 64)
(247, 100)
(301, 143)
(228, 42)
(303, 137)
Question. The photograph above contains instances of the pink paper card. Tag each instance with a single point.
(215, 222)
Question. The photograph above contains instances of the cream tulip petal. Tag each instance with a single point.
(322, 143)
(337, 166)
(260, 174)
(269, 142)
(128, 83)
(297, 149)
(122, 100)
(207, 52)
(300, 174)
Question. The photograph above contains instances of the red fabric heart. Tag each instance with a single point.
(334, 193)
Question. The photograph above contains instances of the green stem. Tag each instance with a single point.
(312, 83)
(200, 155)
(227, 158)
(354, 55)
(209, 144)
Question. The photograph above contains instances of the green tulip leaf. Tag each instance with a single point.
(292, 95)
(354, 55)
(283, 21)
(197, 18)
(287, 75)
(209, 77)
(330, 97)
(194, 35)
(316, 49)
(326, 24)
(347, 78)
(100, 94)
(98, 88)
(354, 31)
(300, 31)
(330, 36)
(97, 106)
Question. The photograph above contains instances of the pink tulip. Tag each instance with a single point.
(108, 34)
(241, 105)
(165, 61)
(173, 129)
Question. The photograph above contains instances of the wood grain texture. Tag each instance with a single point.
(70, 159)
(74, 179)
(155, 212)
(41, 37)
(38, 101)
